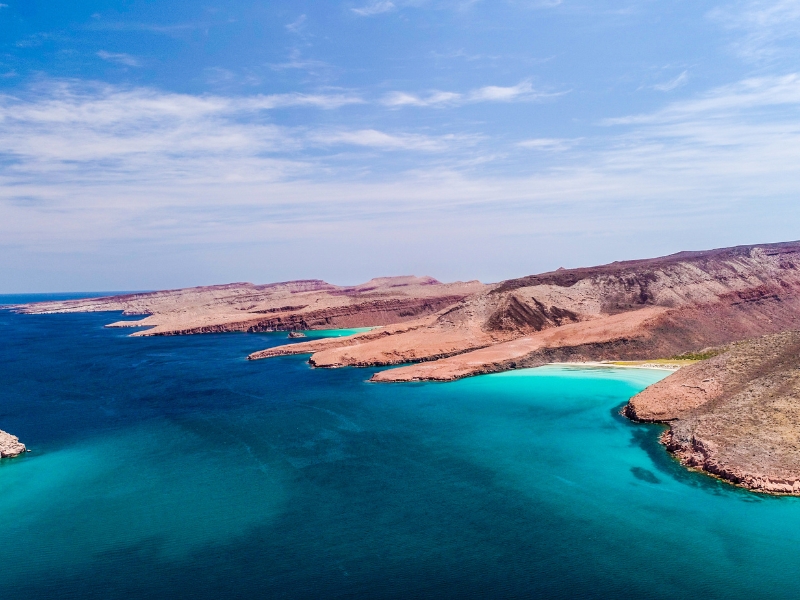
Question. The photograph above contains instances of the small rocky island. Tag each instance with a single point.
(10, 446)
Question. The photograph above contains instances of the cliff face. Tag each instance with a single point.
(307, 304)
(736, 416)
(10, 445)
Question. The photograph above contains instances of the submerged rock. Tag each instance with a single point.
(10, 445)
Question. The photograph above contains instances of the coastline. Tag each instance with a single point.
(649, 365)
(733, 416)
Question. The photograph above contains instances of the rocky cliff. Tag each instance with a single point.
(736, 415)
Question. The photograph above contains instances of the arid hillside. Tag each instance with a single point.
(293, 305)
(736, 415)
(630, 310)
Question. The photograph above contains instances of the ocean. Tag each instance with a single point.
(171, 467)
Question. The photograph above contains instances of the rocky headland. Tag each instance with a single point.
(736, 415)
(632, 310)
(10, 445)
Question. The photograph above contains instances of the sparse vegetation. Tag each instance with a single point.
(701, 355)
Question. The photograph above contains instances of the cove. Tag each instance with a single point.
(173, 467)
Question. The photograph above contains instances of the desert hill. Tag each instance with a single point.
(629, 310)
(305, 304)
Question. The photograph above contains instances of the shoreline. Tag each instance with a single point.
(648, 365)
(734, 415)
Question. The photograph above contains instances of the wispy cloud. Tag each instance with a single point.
(547, 144)
(296, 60)
(376, 8)
(372, 138)
(89, 165)
(296, 25)
(494, 93)
(673, 84)
(324, 101)
(174, 29)
(397, 99)
(764, 26)
(120, 58)
(523, 91)
(750, 94)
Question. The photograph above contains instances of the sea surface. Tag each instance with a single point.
(171, 467)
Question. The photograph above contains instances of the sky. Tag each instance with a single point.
(157, 144)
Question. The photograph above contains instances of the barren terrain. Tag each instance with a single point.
(736, 415)
(288, 306)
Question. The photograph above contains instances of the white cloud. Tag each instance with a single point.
(673, 84)
(135, 168)
(372, 138)
(494, 93)
(324, 101)
(397, 99)
(547, 144)
(120, 58)
(375, 8)
(521, 92)
(750, 94)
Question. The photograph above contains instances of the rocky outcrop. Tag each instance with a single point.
(736, 415)
(10, 445)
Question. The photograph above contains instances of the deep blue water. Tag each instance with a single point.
(171, 467)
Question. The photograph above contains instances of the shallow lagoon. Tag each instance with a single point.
(174, 467)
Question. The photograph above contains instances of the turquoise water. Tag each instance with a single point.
(172, 467)
(326, 333)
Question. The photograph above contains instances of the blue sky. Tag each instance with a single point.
(150, 144)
